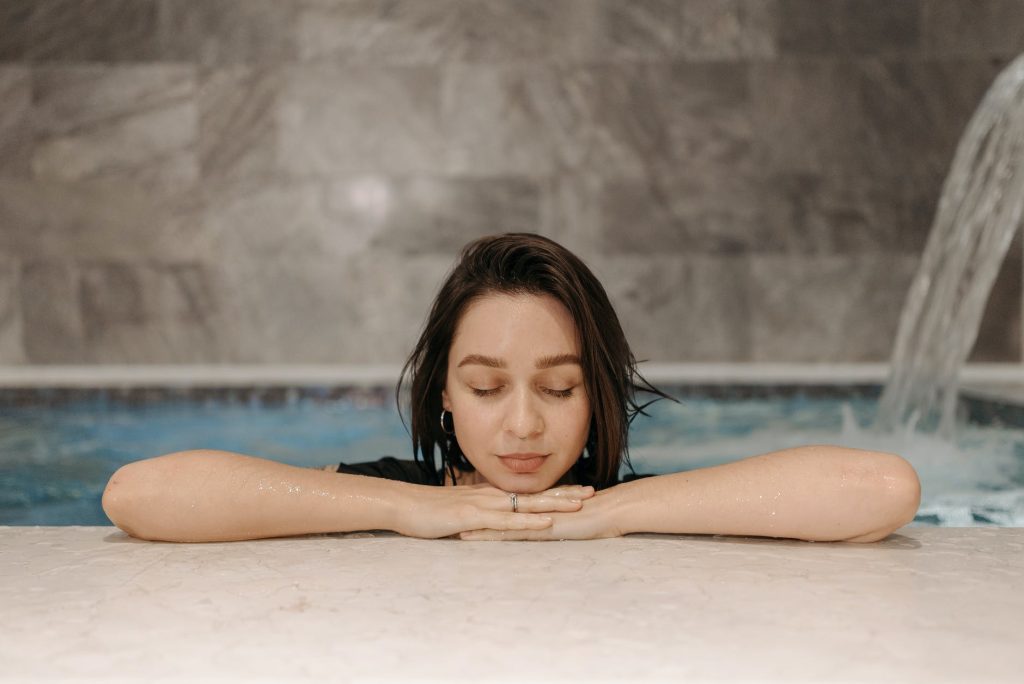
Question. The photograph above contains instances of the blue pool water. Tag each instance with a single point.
(56, 454)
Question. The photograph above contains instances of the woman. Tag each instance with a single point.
(523, 380)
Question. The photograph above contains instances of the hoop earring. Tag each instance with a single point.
(443, 428)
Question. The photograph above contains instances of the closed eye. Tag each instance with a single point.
(561, 394)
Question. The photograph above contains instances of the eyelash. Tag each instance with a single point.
(561, 394)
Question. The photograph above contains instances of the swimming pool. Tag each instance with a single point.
(58, 447)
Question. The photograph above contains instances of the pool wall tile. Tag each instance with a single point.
(571, 210)
(686, 212)
(356, 215)
(670, 117)
(132, 123)
(633, 31)
(314, 166)
(877, 118)
(138, 311)
(805, 114)
(997, 334)
(12, 350)
(428, 215)
(15, 20)
(730, 29)
(839, 212)
(442, 31)
(103, 219)
(69, 30)
(704, 293)
(295, 290)
(238, 126)
(530, 119)
(844, 306)
(16, 126)
(827, 27)
(52, 318)
(916, 111)
(337, 118)
(228, 31)
(981, 27)
(286, 219)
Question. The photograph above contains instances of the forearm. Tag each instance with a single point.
(818, 493)
(199, 496)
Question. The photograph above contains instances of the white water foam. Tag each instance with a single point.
(973, 482)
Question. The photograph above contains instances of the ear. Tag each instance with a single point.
(445, 403)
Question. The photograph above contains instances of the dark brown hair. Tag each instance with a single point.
(531, 264)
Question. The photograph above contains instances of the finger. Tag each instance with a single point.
(570, 492)
(506, 535)
(565, 498)
(543, 503)
(516, 521)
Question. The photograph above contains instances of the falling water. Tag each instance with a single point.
(978, 213)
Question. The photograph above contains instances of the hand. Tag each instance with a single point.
(435, 512)
(592, 521)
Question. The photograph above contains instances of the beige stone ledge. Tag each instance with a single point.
(924, 605)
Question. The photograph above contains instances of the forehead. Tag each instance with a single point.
(509, 321)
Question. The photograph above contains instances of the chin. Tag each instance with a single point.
(526, 483)
(539, 480)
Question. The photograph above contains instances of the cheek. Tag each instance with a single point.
(476, 424)
(573, 424)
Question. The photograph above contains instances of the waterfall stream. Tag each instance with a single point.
(978, 214)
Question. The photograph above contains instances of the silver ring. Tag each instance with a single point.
(515, 502)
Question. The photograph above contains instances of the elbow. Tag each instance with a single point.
(903, 489)
(900, 490)
(907, 495)
(119, 498)
(129, 499)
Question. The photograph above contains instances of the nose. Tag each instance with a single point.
(523, 419)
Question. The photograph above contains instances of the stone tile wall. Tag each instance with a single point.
(248, 181)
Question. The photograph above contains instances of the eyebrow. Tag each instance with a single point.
(542, 363)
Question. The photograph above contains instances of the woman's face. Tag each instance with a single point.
(515, 386)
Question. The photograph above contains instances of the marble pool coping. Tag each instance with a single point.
(924, 605)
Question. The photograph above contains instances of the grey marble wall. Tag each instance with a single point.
(270, 181)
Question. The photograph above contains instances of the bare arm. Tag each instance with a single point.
(206, 495)
(815, 493)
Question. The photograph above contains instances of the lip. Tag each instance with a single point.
(523, 462)
(523, 454)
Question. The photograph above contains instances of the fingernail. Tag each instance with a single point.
(576, 500)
